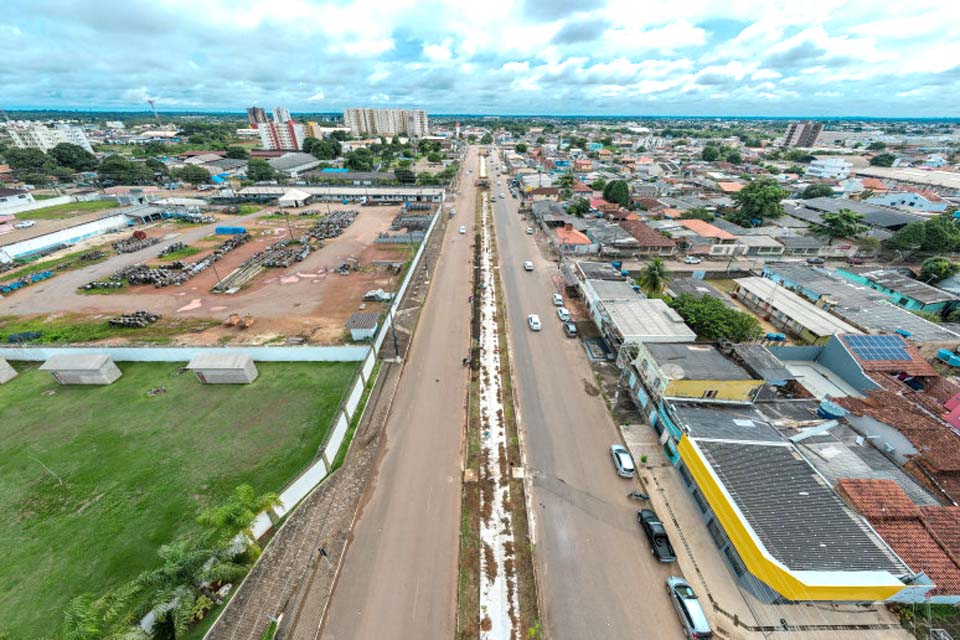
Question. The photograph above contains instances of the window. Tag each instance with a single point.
(698, 498)
(716, 533)
(710, 393)
(738, 567)
(685, 475)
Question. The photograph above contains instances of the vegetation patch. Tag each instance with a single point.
(95, 480)
(181, 253)
(60, 211)
(77, 329)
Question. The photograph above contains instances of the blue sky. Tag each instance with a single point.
(656, 57)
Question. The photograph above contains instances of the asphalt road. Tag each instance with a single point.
(399, 577)
(598, 577)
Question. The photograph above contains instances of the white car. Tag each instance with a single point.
(563, 314)
(26, 224)
(503, 197)
(692, 260)
(557, 300)
(622, 461)
(534, 321)
(529, 231)
(462, 230)
(527, 265)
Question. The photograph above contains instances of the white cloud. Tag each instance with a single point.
(438, 52)
(317, 97)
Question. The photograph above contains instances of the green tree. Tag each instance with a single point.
(541, 139)
(942, 235)
(937, 268)
(359, 160)
(520, 147)
(876, 146)
(654, 277)
(74, 157)
(566, 181)
(471, 138)
(28, 160)
(883, 160)
(236, 515)
(108, 617)
(259, 170)
(842, 224)
(909, 238)
(235, 152)
(119, 170)
(193, 174)
(598, 184)
(819, 190)
(404, 175)
(734, 157)
(710, 153)
(486, 139)
(758, 200)
(697, 213)
(434, 157)
(578, 207)
(713, 320)
(617, 191)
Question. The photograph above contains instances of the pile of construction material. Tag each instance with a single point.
(411, 222)
(192, 217)
(282, 255)
(418, 206)
(332, 225)
(172, 248)
(103, 284)
(137, 319)
(412, 237)
(279, 254)
(136, 242)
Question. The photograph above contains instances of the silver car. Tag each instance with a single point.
(622, 461)
(685, 601)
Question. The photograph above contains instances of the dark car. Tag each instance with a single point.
(855, 260)
(815, 260)
(657, 535)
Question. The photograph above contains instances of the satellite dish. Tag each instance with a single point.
(673, 371)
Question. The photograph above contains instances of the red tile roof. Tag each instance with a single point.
(907, 529)
(730, 187)
(545, 191)
(873, 184)
(571, 236)
(646, 236)
(878, 499)
(916, 366)
(706, 230)
(581, 188)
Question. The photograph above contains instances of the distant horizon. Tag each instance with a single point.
(242, 112)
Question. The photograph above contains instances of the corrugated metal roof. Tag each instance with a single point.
(75, 362)
(219, 360)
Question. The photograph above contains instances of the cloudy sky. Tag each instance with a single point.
(657, 57)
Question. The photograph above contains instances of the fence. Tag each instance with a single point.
(344, 353)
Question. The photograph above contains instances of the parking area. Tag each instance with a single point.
(309, 300)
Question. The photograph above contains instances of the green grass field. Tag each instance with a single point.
(136, 470)
(76, 329)
(59, 211)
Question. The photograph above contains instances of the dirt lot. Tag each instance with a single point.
(307, 299)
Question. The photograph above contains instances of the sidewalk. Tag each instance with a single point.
(732, 612)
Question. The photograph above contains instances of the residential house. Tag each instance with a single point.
(926, 201)
(545, 193)
(833, 168)
(611, 239)
(649, 241)
(722, 243)
(693, 372)
(572, 242)
(788, 311)
(640, 320)
(903, 291)
(13, 200)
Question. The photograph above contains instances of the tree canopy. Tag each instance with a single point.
(193, 174)
(819, 190)
(758, 200)
(654, 277)
(259, 170)
(937, 268)
(713, 320)
(235, 152)
(520, 147)
(934, 235)
(710, 153)
(74, 157)
(697, 213)
(842, 224)
(119, 170)
(578, 207)
(617, 191)
(883, 160)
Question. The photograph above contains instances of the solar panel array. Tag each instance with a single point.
(878, 347)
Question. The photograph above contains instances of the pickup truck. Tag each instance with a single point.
(659, 542)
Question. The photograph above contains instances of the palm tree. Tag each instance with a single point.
(238, 513)
(654, 277)
(109, 617)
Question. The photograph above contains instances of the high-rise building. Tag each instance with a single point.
(40, 136)
(256, 116)
(802, 134)
(284, 133)
(387, 122)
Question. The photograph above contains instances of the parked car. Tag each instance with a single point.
(529, 231)
(622, 461)
(557, 300)
(692, 260)
(26, 224)
(462, 230)
(855, 260)
(659, 542)
(815, 260)
(527, 265)
(563, 314)
(534, 321)
(685, 601)
(570, 329)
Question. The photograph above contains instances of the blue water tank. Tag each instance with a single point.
(945, 354)
(830, 410)
(903, 332)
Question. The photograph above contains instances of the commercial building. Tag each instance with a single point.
(387, 122)
(640, 320)
(829, 169)
(223, 367)
(693, 372)
(802, 134)
(283, 133)
(294, 164)
(361, 194)
(81, 368)
(43, 137)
